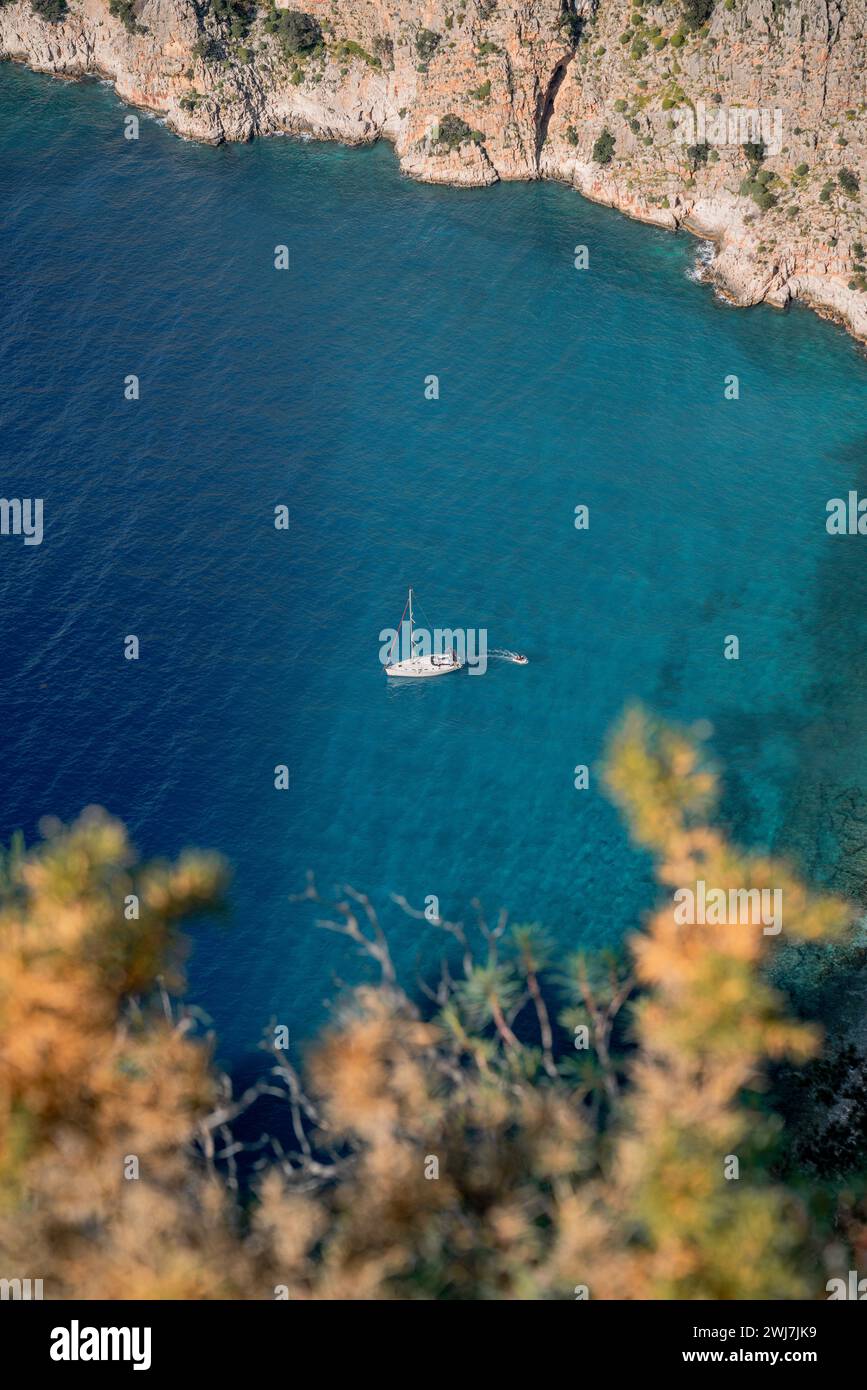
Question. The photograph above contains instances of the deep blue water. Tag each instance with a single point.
(306, 387)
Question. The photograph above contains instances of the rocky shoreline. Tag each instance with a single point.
(589, 92)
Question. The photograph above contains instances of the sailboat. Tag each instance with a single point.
(420, 666)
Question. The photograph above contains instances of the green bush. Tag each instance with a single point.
(383, 49)
(52, 11)
(296, 31)
(123, 10)
(426, 44)
(237, 14)
(603, 148)
(206, 48)
(696, 12)
(348, 48)
(802, 170)
(570, 24)
(453, 131)
(698, 154)
(759, 192)
(848, 181)
(761, 196)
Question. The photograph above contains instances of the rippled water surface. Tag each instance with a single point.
(306, 387)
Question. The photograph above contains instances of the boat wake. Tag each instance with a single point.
(503, 655)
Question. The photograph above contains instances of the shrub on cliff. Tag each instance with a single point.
(426, 44)
(347, 49)
(383, 49)
(238, 14)
(696, 12)
(754, 151)
(764, 199)
(52, 11)
(603, 148)
(569, 22)
(698, 154)
(453, 131)
(848, 181)
(297, 33)
(208, 49)
(125, 12)
(761, 195)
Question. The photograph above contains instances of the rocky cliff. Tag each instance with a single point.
(743, 120)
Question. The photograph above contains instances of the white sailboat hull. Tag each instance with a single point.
(421, 667)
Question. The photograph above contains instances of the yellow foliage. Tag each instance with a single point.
(449, 1157)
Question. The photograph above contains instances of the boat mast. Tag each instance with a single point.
(410, 622)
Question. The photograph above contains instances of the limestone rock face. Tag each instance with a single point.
(472, 91)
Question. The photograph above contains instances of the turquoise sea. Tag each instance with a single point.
(305, 387)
